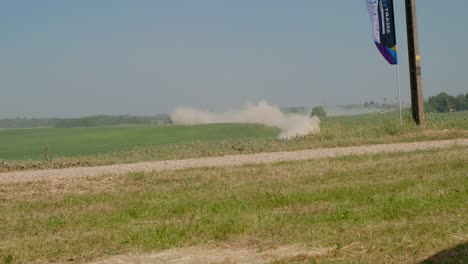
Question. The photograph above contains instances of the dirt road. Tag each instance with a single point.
(231, 160)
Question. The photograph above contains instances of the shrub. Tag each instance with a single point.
(318, 111)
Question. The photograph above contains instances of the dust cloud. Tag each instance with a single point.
(290, 125)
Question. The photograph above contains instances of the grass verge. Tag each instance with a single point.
(397, 208)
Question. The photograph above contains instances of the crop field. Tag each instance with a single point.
(385, 208)
(20, 144)
(41, 148)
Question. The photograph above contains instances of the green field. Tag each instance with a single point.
(387, 208)
(40, 148)
(21, 144)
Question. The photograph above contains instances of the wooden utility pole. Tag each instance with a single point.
(417, 101)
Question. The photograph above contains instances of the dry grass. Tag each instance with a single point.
(226, 254)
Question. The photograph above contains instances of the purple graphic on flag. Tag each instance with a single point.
(383, 26)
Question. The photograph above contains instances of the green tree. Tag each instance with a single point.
(461, 102)
(440, 103)
(318, 111)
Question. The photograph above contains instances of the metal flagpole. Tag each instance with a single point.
(399, 92)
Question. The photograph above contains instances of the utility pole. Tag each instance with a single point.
(417, 102)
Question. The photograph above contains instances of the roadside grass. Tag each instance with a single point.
(26, 149)
(385, 208)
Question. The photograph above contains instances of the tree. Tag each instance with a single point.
(445, 103)
(461, 102)
(441, 103)
(318, 111)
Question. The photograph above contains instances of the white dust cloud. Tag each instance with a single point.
(290, 125)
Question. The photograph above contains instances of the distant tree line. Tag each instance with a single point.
(102, 120)
(27, 122)
(371, 104)
(295, 110)
(90, 121)
(443, 102)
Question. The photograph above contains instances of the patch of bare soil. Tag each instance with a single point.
(225, 254)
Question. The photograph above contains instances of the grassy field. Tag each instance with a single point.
(21, 144)
(387, 208)
(26, 148)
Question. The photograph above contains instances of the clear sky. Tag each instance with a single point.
(76, 58)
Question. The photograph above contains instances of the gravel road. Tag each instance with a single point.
(231, 160)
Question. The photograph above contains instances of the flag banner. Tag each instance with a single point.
(383, 26)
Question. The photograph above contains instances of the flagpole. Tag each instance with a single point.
(399, 93)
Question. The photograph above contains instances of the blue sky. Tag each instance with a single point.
(77, 58)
